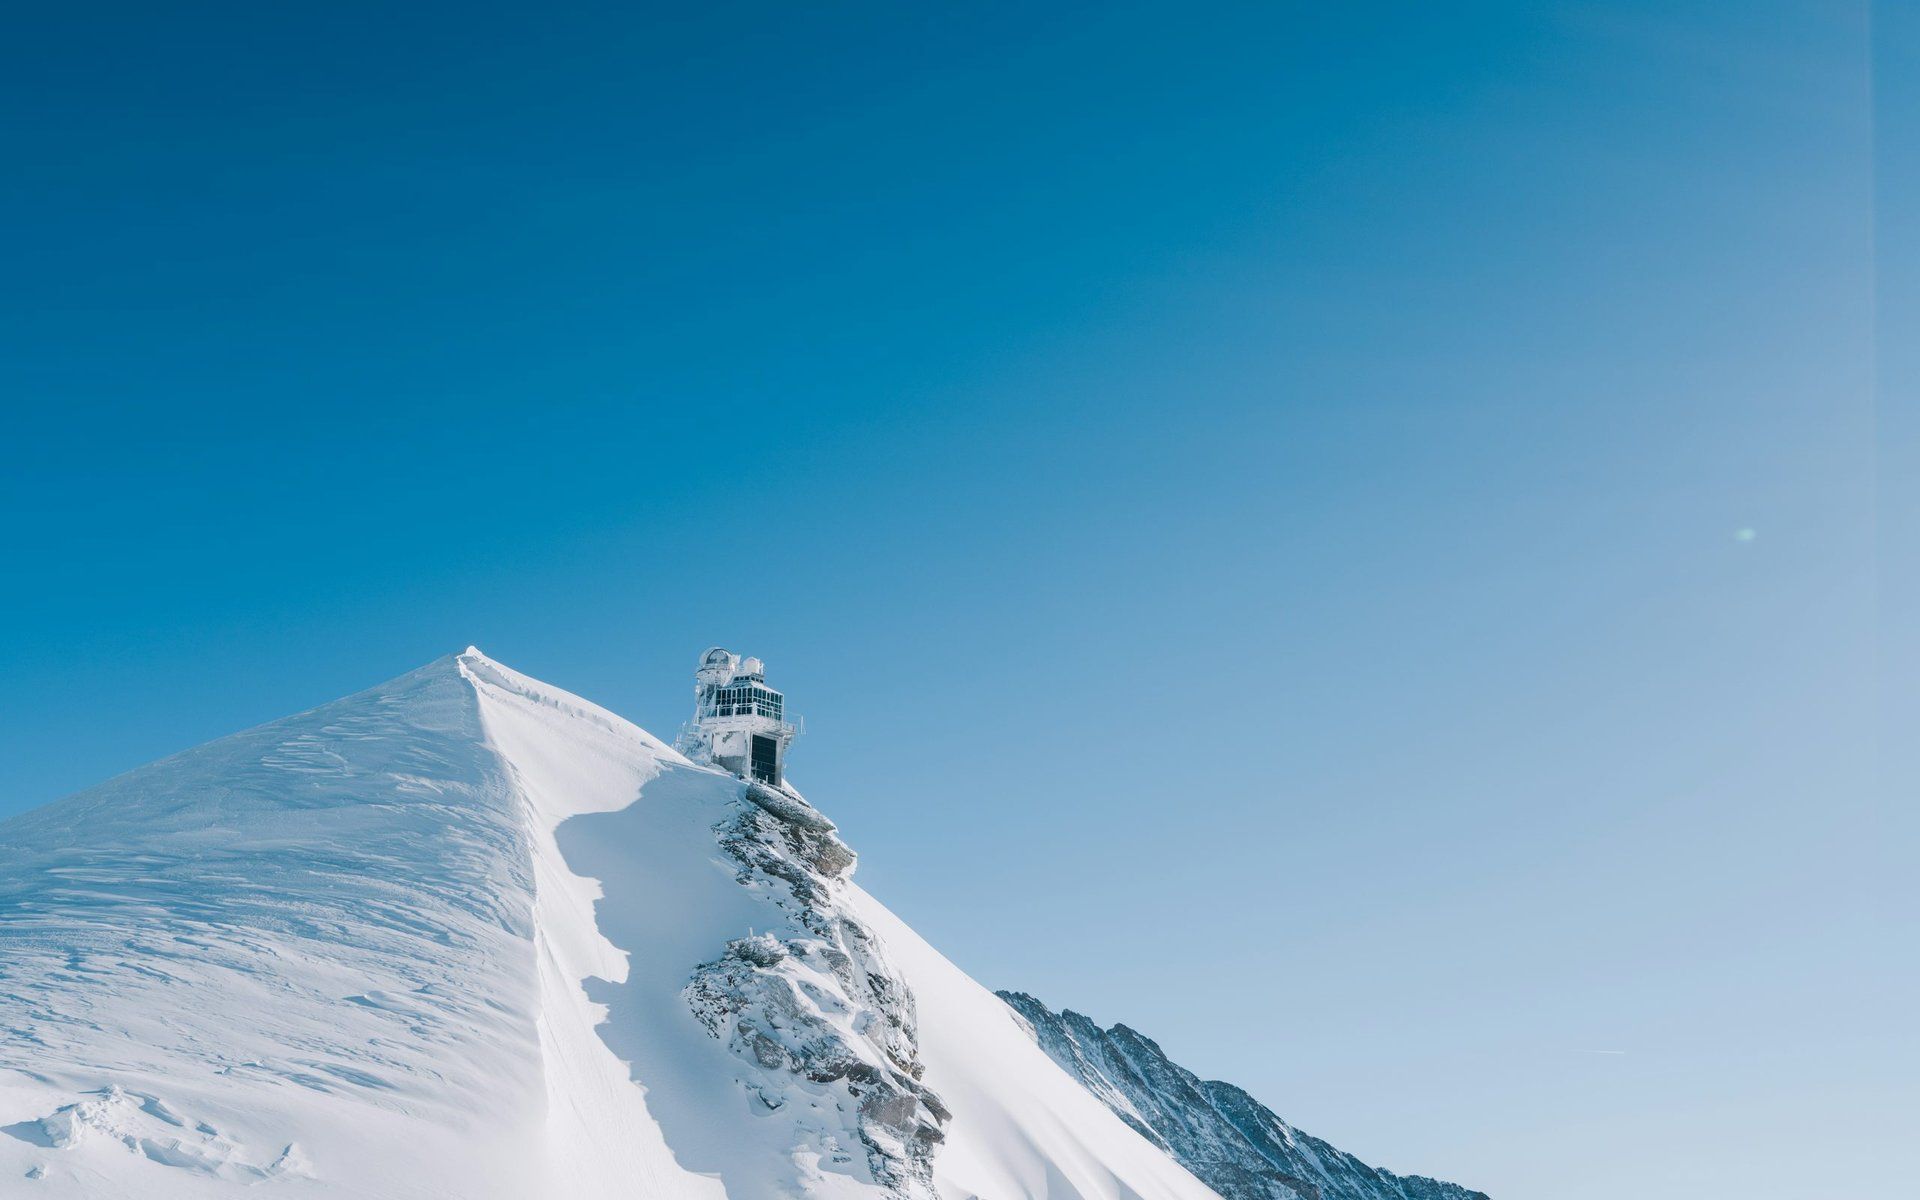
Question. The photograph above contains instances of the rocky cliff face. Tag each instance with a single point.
(1235, 1144)
(820, 1014)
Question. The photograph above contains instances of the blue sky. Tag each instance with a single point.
(1340, 536)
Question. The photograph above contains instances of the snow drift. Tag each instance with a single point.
(465, 935)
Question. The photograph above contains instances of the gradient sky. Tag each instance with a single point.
(1341, 536)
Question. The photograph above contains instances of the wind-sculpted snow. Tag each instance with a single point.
(148, 1127)
(465, 936)
(1223, 1135)
(309, 940)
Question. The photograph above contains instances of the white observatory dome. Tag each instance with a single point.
(716, 657)
(752, 666)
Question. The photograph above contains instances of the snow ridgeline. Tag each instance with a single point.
(307, 944)
(465, 935)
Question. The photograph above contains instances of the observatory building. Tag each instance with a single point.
(739, 723)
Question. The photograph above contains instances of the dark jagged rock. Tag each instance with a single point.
(1236, 1145)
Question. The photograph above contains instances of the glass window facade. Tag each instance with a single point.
(744, 700)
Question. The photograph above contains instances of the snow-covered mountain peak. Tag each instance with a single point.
(464, 934)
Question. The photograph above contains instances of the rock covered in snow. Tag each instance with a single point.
(822, 1005)
(1220, 1133)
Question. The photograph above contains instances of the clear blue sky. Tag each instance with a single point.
(1249, 499)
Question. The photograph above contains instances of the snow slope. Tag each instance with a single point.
(467, 936)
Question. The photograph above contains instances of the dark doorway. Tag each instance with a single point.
(766, 759)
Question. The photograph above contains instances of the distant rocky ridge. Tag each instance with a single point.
(1235, 1144)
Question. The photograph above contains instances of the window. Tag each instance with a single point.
(743, 700)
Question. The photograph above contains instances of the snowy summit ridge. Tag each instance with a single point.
(467, 936)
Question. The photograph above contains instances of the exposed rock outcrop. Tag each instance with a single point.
(816, 1010)
(1236, 1145)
